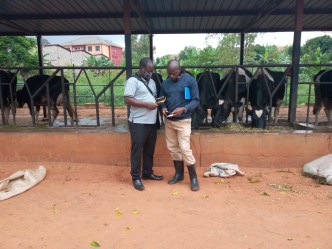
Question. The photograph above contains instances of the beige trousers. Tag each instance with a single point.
(177, 135)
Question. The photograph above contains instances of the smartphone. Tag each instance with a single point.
(160, 100)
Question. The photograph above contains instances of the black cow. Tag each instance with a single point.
(227, 101)
(263, 85)
(8, 89)
(208, 86)
(56, 99)
(323, 95)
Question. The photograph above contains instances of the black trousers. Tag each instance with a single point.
(143, 142)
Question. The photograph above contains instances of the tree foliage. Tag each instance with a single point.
(94, 61)
(324, 43)
(163, 60)
(18, 51)
(227, 51)
(140, 48)
(269, 54)
(317, 50)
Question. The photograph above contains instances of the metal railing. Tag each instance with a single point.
(81, 73)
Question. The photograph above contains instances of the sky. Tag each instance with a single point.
(174, 43)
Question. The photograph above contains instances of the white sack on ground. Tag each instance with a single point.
(223, 170)
(21, 181)
(321, 167)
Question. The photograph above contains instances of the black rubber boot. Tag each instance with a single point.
(179, 172)
(193, 177)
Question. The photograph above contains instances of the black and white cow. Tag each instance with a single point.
(56, 99)
(8, 89)
(266, 83)
(227, 101)
(323, 94)
(208, 86)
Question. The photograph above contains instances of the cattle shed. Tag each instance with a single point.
(84, 17)
(126, 17)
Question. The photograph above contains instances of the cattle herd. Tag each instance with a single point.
(259, 95)
(34, 93)
(264, 91)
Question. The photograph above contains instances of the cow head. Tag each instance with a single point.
(222, 111)
(197, 117)
(19, 99)
(258, 117)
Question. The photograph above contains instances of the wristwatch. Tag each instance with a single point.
(185, 109)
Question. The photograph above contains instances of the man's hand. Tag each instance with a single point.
(134, 102)
(178, 111)
(165, 112)
(151, 105)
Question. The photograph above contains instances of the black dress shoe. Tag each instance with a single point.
(138, 184)
(152, 177)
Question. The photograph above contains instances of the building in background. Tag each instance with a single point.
(96, 46)
(59, 56)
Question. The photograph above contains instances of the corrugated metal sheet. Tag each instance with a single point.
(50, 17)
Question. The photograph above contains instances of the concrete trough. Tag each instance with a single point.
(270, 150)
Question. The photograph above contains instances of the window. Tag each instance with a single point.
(78, 48)
(89, 48)
(97, 48)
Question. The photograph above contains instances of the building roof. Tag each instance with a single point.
(78, 17)
(90, 40)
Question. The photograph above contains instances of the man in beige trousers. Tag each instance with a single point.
(182, 97)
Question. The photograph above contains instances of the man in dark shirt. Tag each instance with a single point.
(181, 92)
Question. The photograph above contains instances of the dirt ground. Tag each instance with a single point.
(77, 204)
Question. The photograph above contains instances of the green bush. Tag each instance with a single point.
(84, 91)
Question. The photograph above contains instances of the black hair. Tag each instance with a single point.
(145, 61)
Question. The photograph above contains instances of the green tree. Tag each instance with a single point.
(207, 56)
(323, 42)
(94, 61)
(163, 60)
(140, 45)
(18, 51)
(227, 51)
(317, 50)
(189, 55)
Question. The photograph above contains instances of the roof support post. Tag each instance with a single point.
(151, 46)
(242, 48)
(127, 31)
(295, 61)
(128, 52)
(40, 54)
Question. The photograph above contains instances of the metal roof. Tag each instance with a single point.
(64, 17)
(90, 40)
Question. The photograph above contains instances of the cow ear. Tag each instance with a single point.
(237, 104)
